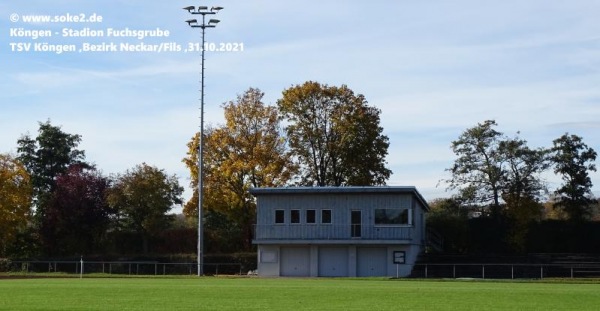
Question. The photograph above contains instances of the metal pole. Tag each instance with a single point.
(202, 10)
(201, 162)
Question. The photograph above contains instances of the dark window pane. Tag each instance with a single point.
(295, 216)
(326, 216)
(279, 216)
(311, 216)
(391, 217)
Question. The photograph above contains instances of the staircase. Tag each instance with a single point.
(434, 242)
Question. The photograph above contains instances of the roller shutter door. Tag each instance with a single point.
(333, 261)
(295, 261)
(371, 261)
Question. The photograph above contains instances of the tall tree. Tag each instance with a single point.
(46, 157)
(573, 159)
(335, 136)
(15, 200)
(477, 172)
(77, 214)
(247, 151)
(142, 197)
(521, 181)
(522, 187)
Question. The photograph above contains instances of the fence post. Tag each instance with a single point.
(483, 272)
(571, 271)
(454, 271)
(541, 272)
(425, 271)
(512, 272)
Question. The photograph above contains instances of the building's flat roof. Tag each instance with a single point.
(350, 189)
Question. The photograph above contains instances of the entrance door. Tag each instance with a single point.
(355, 224)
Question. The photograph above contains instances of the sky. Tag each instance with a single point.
(433, 68)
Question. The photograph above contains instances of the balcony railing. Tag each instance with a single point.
(331, 232)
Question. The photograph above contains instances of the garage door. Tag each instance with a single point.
(371, 261)
(295, 261)
(333, 261)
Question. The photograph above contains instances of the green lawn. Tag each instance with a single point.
(215, 293)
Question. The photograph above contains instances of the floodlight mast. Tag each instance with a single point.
(202, 10)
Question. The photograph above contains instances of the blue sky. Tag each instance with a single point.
(434, 68)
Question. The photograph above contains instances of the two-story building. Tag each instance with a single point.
(339, 231)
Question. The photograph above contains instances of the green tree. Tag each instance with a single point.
(496, 171)
(522, 188)
(477, 172)
(573, 159)
(15, 201)
(247, 151)
(46, 157)
(522, 185)
(141, 198)
(335, 136)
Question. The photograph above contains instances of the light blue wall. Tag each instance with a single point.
(341, 206)
(307, 249)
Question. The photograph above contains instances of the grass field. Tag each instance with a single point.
(215, 293)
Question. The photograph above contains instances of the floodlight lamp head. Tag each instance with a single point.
(202, 8)
(213, 21)
(189, 8)
(216, 8)
(192, 21)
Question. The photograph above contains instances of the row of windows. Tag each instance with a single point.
(310, 216)
(382, 216)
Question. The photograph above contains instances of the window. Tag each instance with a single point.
(279, 216)
(268, 256)
(326, 216)
(295, 216)
(392, 216)
(311, 216)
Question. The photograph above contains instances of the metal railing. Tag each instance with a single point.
(331, 232)
(506, 271)
(122, 267)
